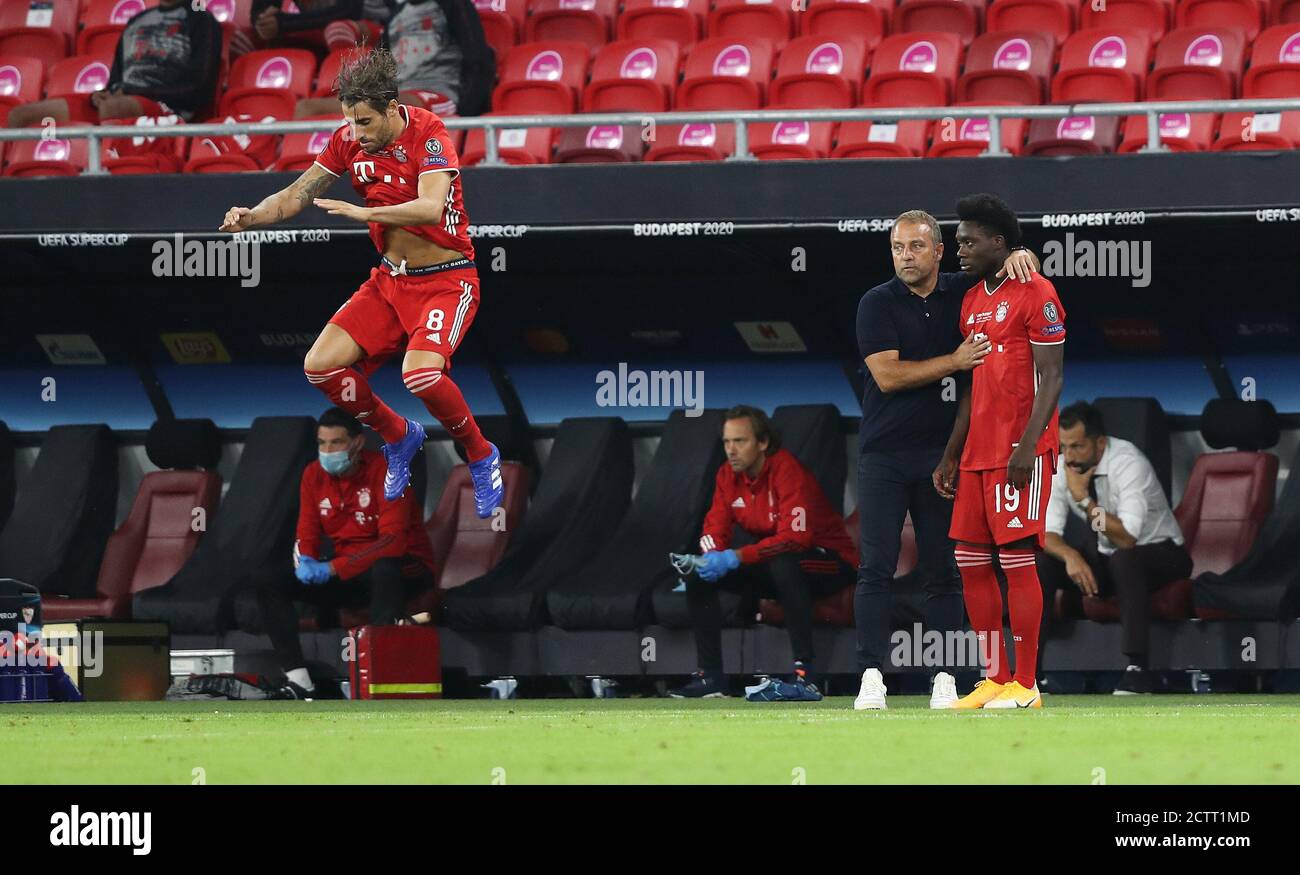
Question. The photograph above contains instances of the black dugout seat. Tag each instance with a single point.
(65, 513)
(613, 590)
(580, 501)
(254, 522)
(812, 433)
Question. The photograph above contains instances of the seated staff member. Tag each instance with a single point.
(1138, 546)
(381, 553)
(803, 549)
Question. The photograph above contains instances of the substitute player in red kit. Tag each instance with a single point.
(425, 292)
(999, 461)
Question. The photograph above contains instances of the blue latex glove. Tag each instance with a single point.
(715, 564)
(311, 571)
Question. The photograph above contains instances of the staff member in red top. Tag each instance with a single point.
(803, 548)
(381, 553)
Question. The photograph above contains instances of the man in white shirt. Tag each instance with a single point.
(1138, 547)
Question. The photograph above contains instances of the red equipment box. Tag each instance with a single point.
(396, 662)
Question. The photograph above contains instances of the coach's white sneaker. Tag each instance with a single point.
(871, 696)
(944, 692)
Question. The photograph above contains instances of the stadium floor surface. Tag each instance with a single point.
(1165, 739)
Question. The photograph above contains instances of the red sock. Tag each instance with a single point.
(1025, 596)
(444, 400)
(348, 389)
(984, 607)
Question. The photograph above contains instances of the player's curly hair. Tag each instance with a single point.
(993, 213)
(370, 77)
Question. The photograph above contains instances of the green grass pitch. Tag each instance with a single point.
(1161, 739)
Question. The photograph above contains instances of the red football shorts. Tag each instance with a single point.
(989, 510)
(434, 311)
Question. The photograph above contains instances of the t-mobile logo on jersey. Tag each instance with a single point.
(238, 256)
(627, 388)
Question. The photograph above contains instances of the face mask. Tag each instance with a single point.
(336, 463)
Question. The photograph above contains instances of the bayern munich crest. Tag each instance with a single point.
(1001, 314)
(399, 153)
(363, 494)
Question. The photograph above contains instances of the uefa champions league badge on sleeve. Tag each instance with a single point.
(433, 145)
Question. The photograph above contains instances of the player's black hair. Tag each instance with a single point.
(370, 77)
(337, 416)
(993, 213)
(763, 428)
(1082, 411)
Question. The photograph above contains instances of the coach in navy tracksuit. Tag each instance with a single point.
(913, 349)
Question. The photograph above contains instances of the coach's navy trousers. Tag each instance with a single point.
(890, 484)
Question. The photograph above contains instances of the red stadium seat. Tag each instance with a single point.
(142, 165)
(633, 76)
(914, 69)
(950, 16)
(299, 151)
(1227, 499)
(52, 157)
(1102, 66)
(819, 71)
(681, 21)
(903, 139)
(503, 23)
(1010, 66)
(1245, 14)
(1075, 135)
(38, 30)
(1197, 64)
(585, 21)
(600, 144)
(1274, 64)
(329, 71)
(514, 145)
(1054, 17)
(1284, 12)
(148, 549)
(543, 78)
(77, 75)
(138, 148)
(102, 22)
(793, 138)
(866, 19)
(726, 74)
(968, 137)
(269, 83)
(22, 80)
(1152, 17)
(752, 20)
(1179, 131)
(697, 141)
(233, 152)
(230, 14)
(1258, 131)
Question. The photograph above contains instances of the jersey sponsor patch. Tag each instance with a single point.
(1049, 312)
(434, 160)
(433, 145)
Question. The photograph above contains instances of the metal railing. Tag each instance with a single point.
(741, 119)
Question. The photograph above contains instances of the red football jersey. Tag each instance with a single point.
(1014, 315)
(361, 524)
(393, 175)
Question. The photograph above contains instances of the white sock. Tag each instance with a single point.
(300, 677)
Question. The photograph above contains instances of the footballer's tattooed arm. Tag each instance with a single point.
(284, 204)
(1049, 362)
